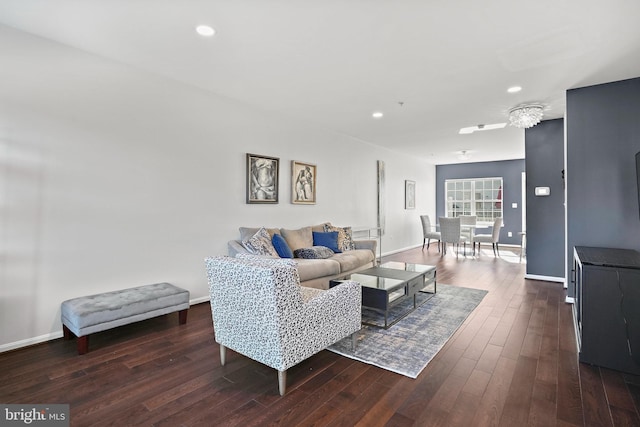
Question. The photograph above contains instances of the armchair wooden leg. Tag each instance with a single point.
(223, 354)
(423, 242)
(282, 382)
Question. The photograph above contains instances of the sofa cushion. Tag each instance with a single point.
(353, 259)
(319, 227)
(247, 232)
(328, 239)
(345, 240)
(310, 269)
(314, 252)
(297, 239)
(260, 244)
(281, 246)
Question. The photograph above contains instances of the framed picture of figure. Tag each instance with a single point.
(409, 194)
(303, 183)
(262, 179)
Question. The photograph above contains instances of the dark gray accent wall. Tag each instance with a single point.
(544, 159)
(603, 136)
(511, 173)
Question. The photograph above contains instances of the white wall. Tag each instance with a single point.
(111, 177)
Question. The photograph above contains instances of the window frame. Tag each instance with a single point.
(466, 196)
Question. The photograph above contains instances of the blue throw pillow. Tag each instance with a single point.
(328, 239)
(282, 248)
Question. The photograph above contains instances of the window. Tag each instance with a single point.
(481, 197)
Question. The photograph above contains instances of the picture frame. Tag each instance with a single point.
(262, 179)
(303, 183)
(409, 194)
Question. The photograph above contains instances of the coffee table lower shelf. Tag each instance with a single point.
(391, 318)
(387, 286)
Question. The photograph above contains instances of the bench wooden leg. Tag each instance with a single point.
(66, 333)
(182, 315)
(83, 344)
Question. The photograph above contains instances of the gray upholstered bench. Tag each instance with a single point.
(95, 313)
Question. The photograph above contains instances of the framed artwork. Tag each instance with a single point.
(409, 194)
(262, 179)
(303, 183)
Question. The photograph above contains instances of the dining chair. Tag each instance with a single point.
(428, 233)
(490, 238)
(468, 228)
(450, 233)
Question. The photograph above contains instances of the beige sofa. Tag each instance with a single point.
(315, 273)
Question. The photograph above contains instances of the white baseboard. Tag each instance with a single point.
(570, 300)
(545, 278)
(205, 298)
(30, 341)
(395, 251)
(58, 334)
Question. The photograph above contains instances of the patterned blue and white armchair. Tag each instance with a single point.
(260, 310)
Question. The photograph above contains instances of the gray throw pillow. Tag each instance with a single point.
(314, 252)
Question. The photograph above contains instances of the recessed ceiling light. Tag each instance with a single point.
(463, 155)
(477, 128)
(205, 30)
(514, 89)
(377, 115)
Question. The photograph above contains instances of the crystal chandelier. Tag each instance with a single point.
(525, 116)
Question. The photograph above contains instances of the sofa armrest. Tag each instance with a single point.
(372, 245)
(335, 313)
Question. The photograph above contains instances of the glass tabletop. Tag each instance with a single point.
(397, 265)
(377, 282)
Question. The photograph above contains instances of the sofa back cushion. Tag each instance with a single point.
(319, 227)
(297, 239)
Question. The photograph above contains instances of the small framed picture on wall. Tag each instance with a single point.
(262, 179)
(409, 194)
(303, 183)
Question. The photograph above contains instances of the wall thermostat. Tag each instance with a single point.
(542, 191)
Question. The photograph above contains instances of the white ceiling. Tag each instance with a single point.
(333, 63)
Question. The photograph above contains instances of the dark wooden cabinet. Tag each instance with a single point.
(607, 307)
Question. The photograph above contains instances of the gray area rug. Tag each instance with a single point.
(408, 346)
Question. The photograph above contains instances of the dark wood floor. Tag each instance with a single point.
(512, 363)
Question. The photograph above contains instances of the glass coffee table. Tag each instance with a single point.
(393, 283)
